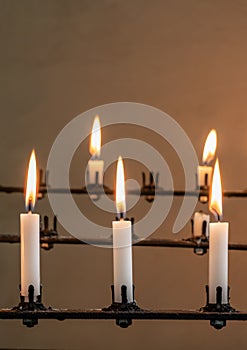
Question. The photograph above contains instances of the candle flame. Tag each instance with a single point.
(95, 142)
(210, 147)
(120, 188)
(216, 192)
(31, 183)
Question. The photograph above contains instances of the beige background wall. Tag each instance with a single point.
(60, 58)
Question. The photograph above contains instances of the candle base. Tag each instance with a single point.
(30, 305)
(204, 175)
(45, 231)
(150, 187)
(199, 239)
(96, 190)
(204, 194)
(217, 307)
(123, 306)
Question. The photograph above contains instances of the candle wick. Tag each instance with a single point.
(121, 216)
(29, 209)
(95, 156)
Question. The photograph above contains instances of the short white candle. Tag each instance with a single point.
(30, 236)
(204, 172)
(200, 224)
(95, 169)
(122, 242)
(218, 243)
(204, 175)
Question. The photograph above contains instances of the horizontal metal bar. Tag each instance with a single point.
(148, 242)
(145, 192)
(63, 314)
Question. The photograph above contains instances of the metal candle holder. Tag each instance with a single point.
(30, 305)
(46, 232)
(149, 188)
(123, 306)
(96, 190)
(200, 239)
(203, 198)
(218, 306)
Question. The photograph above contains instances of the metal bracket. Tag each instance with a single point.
(123, 306)
(30, 305)
(217, 307)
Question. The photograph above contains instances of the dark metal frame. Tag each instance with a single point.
(147, 191)
(66, 314)
(148, 242)
(30, 312)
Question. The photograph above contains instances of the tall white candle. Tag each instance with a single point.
(122, 259)
(95, 169)
(30, 236)
(122, 242)
(30, 258)
(218, 260)
(204, 172)
(218, 243)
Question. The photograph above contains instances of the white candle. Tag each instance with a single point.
(204, 172)
(200, 224)
(30, 248)
(218, 243)
(95, 169)
(218, 260)
(30, 236)
(122, 242)
(204, 175)
(122, 259)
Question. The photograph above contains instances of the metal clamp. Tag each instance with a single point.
(30, 305)
(218, 307)
(123, 306)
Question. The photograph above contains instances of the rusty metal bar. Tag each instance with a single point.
(159, 192)
(148, 242)
(65, 314)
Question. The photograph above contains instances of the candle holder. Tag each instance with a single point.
(203, 185)
(199, 239)
(123, 306)
(43, 184)
(46, 232)
(30, 305)
(217, 307)
(150, 188)
(96, 190)
(204, 194)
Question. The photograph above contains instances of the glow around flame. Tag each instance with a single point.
(120, 188)
(216, 192)
(210, 147)
(95, 142)
(31, 183)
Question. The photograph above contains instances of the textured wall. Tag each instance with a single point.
(60, 58)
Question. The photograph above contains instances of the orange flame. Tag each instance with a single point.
(31, 183)
(95, 142)
(210, 147)
(215, 205)
(120, 188)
